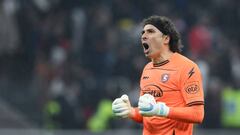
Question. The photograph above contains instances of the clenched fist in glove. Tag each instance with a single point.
(121, 107)
(149, 107)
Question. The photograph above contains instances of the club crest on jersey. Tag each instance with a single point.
(164, 78)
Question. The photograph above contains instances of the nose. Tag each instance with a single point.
(144, 37)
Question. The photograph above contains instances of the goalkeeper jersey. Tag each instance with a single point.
(178, 83)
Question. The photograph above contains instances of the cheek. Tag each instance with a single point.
(156, 43)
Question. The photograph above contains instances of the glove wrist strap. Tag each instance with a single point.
(163, 110)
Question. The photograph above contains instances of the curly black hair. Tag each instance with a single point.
(166, 26)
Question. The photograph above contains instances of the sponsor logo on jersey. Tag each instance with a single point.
(153, 89)
(145, 77)
(191, 72)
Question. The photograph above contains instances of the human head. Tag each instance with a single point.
(166, 26)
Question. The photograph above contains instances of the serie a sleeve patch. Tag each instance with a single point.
(193, 92)
(192, 88)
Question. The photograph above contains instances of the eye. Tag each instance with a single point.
(150, 31)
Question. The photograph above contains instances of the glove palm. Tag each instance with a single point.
(121, 107)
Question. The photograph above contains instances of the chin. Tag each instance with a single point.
(148, 56)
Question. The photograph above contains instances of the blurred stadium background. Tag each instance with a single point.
(62, 62)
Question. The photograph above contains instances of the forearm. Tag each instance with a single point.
(193, 114)
(135, 115)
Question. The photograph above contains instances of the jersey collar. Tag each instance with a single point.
(164, 62)
(160, 64)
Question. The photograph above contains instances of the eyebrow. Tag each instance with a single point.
(149, 30)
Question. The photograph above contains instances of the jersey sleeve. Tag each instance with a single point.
(136, 116)
(191, 85)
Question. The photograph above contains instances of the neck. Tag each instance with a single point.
(162, 57)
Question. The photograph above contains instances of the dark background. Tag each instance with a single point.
(73, 54)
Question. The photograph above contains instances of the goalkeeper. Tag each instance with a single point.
(171, 93)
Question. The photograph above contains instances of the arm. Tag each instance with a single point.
(192, 91)
(149, 107)
(193, 114)
(135, 115)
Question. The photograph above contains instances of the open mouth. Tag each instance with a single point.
(145, 46)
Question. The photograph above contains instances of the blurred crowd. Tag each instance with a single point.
(60, 58)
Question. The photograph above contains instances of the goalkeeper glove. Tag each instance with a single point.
(149, 107)
(121, 107)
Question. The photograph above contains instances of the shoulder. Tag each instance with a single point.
(148, 65)
(189, 67)
(183, 60)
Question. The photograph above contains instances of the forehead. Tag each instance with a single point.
(150, 27)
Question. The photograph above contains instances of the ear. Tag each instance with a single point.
(166, 39)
